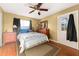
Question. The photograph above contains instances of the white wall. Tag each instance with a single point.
(0, 29)
(61, 35)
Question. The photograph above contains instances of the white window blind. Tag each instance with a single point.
(24, 24)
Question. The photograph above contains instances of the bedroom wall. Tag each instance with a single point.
(8, 21)
(52, 21)
(1, 10)
(1, 18)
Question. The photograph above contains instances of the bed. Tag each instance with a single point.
(31, 39)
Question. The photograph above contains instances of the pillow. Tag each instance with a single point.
(24, 27)
(24, 30)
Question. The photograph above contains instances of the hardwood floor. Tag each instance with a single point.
(8, 50)
(65, 50)
(11, 50)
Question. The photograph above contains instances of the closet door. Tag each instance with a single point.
(62, 30)
(0, 29)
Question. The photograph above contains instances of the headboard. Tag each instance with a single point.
(44, 31)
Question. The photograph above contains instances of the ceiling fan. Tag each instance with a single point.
(37, 7)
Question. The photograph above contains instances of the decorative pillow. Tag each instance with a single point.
(24, 30)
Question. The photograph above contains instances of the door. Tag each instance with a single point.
(61, 31)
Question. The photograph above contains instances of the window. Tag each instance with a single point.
(24, 24)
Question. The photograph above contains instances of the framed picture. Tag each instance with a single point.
(44, 24)
(64, 23)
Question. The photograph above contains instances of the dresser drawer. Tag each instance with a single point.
(9, 37)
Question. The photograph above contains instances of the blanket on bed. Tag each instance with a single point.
(31, 39)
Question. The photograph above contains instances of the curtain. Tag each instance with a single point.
(16, 22)
(31, 24)
(71, 29)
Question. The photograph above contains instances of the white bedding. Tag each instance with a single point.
(31, 39)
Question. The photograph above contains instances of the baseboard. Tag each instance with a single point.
(63, 44)
(53, 41)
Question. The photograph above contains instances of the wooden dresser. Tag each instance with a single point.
(9, 37)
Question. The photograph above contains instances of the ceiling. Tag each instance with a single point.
(23, 9)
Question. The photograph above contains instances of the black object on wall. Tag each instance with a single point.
(71, 29)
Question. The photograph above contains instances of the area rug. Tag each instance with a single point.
(42, 50)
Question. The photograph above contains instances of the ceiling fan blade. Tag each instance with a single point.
(31, 11)
(39, 13)
(43, 9)
(32, 7)
(39, 4)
